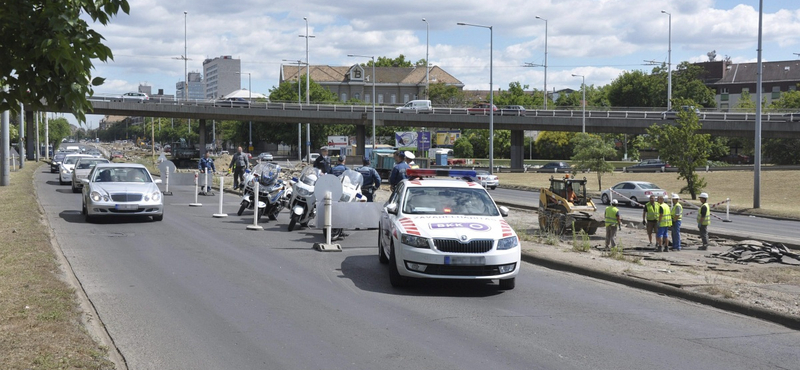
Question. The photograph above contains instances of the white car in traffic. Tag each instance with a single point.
(67, 165)
(121, 189)
(81, 171)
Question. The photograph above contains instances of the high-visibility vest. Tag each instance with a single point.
(652, 211)
(666, 220)
(704, 220)
(677, 212)
(611, 216)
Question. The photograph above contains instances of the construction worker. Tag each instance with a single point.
(410, 160)
(372, 180)
(677, 214)
(703, 220)
(613, 223)
(664, 223)
(650, 219)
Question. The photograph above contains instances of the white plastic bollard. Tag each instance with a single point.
(255, 225)
(195, 204)
(166, 190)
(727, 211)
(221, 186)
(328, 216)
(205, 181)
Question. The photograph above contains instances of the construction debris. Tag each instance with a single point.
(759, 252)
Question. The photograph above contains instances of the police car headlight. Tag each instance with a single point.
(507, 243)
(415, 241)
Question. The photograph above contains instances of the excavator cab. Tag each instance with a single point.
(564, 205)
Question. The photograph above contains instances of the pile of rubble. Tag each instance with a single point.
(759, 252)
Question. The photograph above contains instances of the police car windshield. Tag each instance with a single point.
(449, 201)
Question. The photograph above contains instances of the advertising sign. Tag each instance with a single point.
(406, 140)
(447, 138)
(337, 142)
(423, 141)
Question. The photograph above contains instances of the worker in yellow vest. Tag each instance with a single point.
(613, 223)
(703, 220)
(650, 218)
(677, 215)
(664, 223)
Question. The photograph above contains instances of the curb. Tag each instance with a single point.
(788, 321)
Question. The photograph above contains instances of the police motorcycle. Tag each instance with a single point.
(351, 192)
(271, 190)
(302, 204)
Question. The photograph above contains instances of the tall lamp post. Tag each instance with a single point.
(374, 81)
(299, 101)
(491, 92)
(545, 60)
(308, 90)
(185, 59)
(249, 101)
(669, 63)
(427, 69)
(583, 103)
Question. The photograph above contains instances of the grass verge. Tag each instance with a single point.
(40, 319)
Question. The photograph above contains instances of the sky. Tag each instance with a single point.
(598, 39)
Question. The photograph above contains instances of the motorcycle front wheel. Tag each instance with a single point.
(242, 208)
(292, 221)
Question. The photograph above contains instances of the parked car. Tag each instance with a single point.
(117, 155)
(312, 157)
(673, 114)
(555, 167)
(137, 97)
(232, 102)
(488, 180)
(513, 110)
(648, 165)
(81, 171)
(792, 117)
(632, 191)
(416, 106)
(737, 159)
(482, 108)
(265, 156)
(121, 189)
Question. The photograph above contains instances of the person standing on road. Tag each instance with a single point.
(340, 167)
(664, 223)
(372, 180)
(323, 162)
(399, 171)
(206, 163)
(650, 218)
(613, 223)
(703, 220)
(239, 164)
(677, 215)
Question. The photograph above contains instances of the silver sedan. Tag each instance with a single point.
(121, 189)
(631, 192)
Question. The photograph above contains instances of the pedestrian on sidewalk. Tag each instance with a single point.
(650, 219)
(613, 223)
(703, 220)
(206, 164)
(677, 215)
(664, 223)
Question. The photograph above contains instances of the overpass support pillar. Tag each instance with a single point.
(517, 149)
(361, 139)
(30, 136)
(202, 137)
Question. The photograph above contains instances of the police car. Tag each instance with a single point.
(446, 229)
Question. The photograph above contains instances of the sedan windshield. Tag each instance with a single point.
(449, 201)
(648, 186)
(86, 164)
(71, 160)
(122, 174)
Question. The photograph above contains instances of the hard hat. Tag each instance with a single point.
(703, 195)
(676, 196)
(614, 202)
(410, 155)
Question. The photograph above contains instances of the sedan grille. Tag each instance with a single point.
(126, 197)
(456, 246)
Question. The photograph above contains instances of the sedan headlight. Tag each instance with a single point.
(156, 196)
(95, 196)
(414, 241)
(64, 170)
(507, 243)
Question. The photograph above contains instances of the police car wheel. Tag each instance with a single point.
(381, 256)
(395, 278)
(508, 284)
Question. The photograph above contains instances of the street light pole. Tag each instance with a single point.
(669, 63)
(249, 101)
(427, 69)
(491, 92)
(583, 87)
(299, 101)
(374, 81)
(308, 91)
(185, 61)
(545, 60)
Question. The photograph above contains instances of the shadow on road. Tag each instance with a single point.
(75, 217)
(64, 191)
(52, 182)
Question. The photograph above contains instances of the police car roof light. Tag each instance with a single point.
(420, 173)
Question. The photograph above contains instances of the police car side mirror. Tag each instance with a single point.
(503, 211)
(392, 208)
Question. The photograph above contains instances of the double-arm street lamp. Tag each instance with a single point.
(491, 93)
(583, 103)
(374, 81)
(669, 63)
(249, 101)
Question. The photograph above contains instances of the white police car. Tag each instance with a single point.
(446, 229)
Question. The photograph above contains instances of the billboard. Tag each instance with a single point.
(406, 140)
(423, 141)
(447, 138)
(337, 142)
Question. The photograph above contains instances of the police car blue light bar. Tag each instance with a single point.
(426, 172)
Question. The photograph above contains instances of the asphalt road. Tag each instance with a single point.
(746, 226)
(194, 292)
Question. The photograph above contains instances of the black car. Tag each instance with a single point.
(648, 165)
(555, 167)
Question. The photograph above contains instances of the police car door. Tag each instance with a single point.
(387, 219)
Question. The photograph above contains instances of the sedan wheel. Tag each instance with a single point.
(633, 201)
(604, 199)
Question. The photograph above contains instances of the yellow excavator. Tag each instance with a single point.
(565, 207)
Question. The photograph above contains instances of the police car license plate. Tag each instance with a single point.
(126, 207)
(467, 261)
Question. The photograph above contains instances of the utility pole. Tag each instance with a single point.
(21, 136)
(308, 91)
(5, 141)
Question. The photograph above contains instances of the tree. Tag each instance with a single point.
(400, 61)
(49, 51)
(687, 84)
(462, 148)
(59, 129)
(682, 146)
(287, 92)
(445, 95)
(554, 145)
(633, 89)
(516, 95)
(591, 153)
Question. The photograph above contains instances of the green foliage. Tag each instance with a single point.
(592, 153)
(479, 140)
(572, 99)
(516, 95)
(788, 100)
(683, 147)
(633, 89)
(442, 95)
(687, 84)
(400, 61)
(287, 92)
(639, 89)
(462, 148)
(48, 52)
(554, 145)
(745, 102)
(59, 129)
(13, 133)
